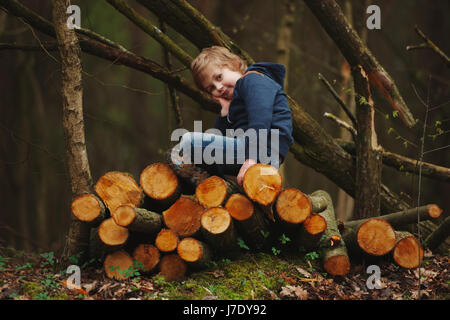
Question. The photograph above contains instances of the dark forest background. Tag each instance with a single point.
(128, 122)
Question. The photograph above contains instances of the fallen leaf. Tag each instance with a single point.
(294, 292)
(303, 272)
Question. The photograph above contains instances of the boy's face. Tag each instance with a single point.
(220, 81)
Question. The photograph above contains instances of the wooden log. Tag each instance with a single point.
(196, 253)
(112, 234)
(262, 183)
(408, 252)
(250, 222)
(97, 248)
(166, 240)
(116, 263)
(376, 237)
(191, 174)
(183, 217)
(148, 255)
(172, 267)
(161, 185)
(213, 192)
(137, 219)
(332, 246)
(118, 188)
(318, 203)
(89, 208)
(439, 235)
(292, 207)
(218, 230)
(405, 217)
(311, 231)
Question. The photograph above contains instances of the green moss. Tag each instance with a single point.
(250, 277)
(60, 296)
(32, 289)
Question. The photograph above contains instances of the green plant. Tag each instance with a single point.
(310, 256)
(275, 251)
(242, 244)
(284, 239)
(26, 266)
(265, 234)
(48, 259)
(42, 296)
(2, 263)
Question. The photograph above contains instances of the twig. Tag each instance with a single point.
(429, 44)
(341, 123)
(338, 99)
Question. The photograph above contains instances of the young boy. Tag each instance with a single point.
(253, 101)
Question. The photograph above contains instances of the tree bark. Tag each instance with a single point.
(73, 123)
(138, 219)
(368, 158)
(336, 25)
(439, 235)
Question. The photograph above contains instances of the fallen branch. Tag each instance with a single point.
(439, 235)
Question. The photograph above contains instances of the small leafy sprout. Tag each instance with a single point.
(310, 256)
(284, 239)
(395, 113)
(275, 251)
(48, 259)
(26, 266)
(265, 234)
(225, 260)
(42, 296)
(242, 244)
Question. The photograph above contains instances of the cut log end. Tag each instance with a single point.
(118, 188)
(211, 192)
(166, 240)
(338, 265)
(434, 211)
(124, 215)
(216, 220)
(159, 181)
(183, 217)
(86, 207)
(190, 250)
(112, 234)
(115, 264)
(172, 267)
(408, 253)
(292, 206)
(315, 224)
(239, 207)
(148, 255)
(262, 183)
(376, 237)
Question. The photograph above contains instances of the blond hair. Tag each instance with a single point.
(219, 57)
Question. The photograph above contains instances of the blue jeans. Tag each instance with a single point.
(216, 153)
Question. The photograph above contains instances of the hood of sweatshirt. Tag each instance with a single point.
(275, 71)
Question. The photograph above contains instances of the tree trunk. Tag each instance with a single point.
(89, 208)
(73, 123)
(112, 234)
(332, 246)
(251, 223)
(336, 25)
(311, 231)
(368, 155)
(183, 217)
(161, 185)
(403, 218)
(213, 192)
(172, 267)
(138, 220)
(292, 208)
(408, 252)
(218, 231)
(117, 188)
(196, 253)
(116, 263)
(438, 236)
(167, 240)
(148, 255)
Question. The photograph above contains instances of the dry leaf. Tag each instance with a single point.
(294, 292)
(303, 272)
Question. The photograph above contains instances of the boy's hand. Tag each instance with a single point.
(224, 103)
(247, 164)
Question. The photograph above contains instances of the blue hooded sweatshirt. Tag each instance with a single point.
(260, 103)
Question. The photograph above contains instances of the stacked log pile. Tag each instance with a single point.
(159, 226)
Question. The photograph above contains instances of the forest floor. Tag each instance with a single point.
(251, 276)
